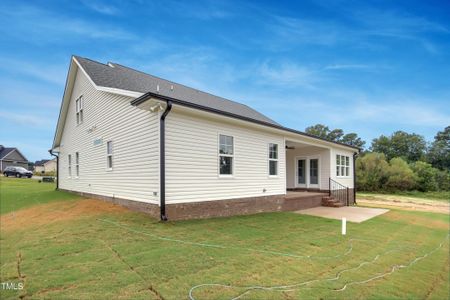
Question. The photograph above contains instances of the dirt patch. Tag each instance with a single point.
(417, 220)
(436, 207)
(54, 212)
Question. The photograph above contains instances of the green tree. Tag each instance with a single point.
(371, 171)
(443, 180)
(439, 152)
(353, 140)
(411, 147)
(426, 176)
(400, 176)
(335, 135)
(318, 130)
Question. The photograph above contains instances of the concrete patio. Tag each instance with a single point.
(352, 213)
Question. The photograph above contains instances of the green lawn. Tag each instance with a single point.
(17, 193)
(122, 254)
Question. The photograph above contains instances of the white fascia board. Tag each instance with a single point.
(108, 89)
(119, 91)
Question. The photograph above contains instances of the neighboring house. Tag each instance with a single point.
(45, 166)
(177, 152)
(39, 166)
(10, 156)
(50, 166)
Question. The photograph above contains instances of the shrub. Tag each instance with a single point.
(443, 180)
(400, 176)
(371, 171)
(427, 176)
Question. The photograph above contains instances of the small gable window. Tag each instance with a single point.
(79, 109)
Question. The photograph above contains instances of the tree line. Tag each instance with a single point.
(399, 162)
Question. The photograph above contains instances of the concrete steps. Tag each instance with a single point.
(330, 201)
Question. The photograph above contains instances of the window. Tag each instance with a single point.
(69, 157)
(77, 163)
(273, 159)
(226, 153)
(109, 154)
(342, 165)
(79, 109)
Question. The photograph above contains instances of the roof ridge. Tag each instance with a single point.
(181, 84)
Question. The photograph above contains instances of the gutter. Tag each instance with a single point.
(57, 167)
(149, 95)
(162, 161)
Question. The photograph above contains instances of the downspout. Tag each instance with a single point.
(57, 167)
(162, 161)
(354, 177)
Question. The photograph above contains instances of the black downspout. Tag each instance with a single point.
(354, 177)
(57, 167)
(162, 161)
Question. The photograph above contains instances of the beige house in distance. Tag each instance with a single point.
(45, 166)
(178, 153)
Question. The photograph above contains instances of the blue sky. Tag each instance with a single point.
(366, 67)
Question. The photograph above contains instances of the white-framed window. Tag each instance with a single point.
(273, 159)
(77, 164)
(226, 155)
(69, 158)
(109, 155)
(79, 109)
(342, 165)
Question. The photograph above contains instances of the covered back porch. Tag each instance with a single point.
(310, 171)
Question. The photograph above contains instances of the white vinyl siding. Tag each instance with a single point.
(135, 133)
(346, 180)
(191, 160)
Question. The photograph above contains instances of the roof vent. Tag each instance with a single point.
(171, 87)
(111, 65)
(157, 88)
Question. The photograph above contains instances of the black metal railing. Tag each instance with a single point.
(338, 191)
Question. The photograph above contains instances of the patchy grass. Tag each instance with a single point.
(17, 193)
(419, 196)
(88, 249)
(403, 202)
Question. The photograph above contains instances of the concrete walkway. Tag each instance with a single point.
(353, 214)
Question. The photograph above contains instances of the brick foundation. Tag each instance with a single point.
(219, 208)
(148, 208)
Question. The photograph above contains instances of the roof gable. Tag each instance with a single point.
(116, 76)
(11, 153)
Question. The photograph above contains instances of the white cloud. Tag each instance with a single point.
(25, 119)
(347, 66)
(285, 74)
(46, 72)
(34, 24)
(101, 7)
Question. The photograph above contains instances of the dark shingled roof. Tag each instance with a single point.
(5, 151)
(41, 162)
(113, 75)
